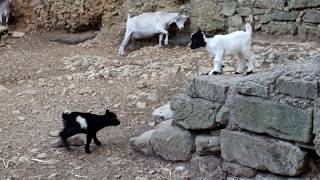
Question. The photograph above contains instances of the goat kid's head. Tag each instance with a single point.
(112, 118)
(181, 20)
(197, 40)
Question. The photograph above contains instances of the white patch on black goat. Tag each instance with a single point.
(82, 121)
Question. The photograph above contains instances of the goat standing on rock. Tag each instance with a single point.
(148, 24)
(90, 124)
(236, 43)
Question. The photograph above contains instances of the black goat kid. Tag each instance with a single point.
(90, 124)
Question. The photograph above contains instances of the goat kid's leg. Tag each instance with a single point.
(241, 64)
(87, 147)
(7, 20)
(96, 141)
(160, 39)
(124, 42)
(250, 57)
(65, 134)
(217, 61)
(165, 32)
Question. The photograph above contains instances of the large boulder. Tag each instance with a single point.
(195, 113)
(142, 143)
(172, 142)
(312, 16)
(211, 88)
(276, 119)
(302, 4)
(297, 87)
(264, 153)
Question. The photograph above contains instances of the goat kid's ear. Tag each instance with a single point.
(107, 111)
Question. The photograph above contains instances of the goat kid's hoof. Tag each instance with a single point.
(88, 152)
(237, 73)
(98, 143)
(213, 73)
(250, 72)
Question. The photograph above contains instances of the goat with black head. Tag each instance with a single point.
(236, 43)
(87, 123)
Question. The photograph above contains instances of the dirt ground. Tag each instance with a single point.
(41, 79)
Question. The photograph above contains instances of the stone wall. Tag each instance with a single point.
(268, 121)
(277, 17)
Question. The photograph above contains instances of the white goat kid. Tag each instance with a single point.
(148, 24)
(236, 43)
(4, 12)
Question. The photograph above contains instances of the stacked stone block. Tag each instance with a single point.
(262, 122)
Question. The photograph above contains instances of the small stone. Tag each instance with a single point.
(4, 89)
(17, 34)
(152, 124)
(54, 133)
(141, 178)
(141, 105)
(53, 176)
(73, 141)
(86, 90)
(35, 150)
(21, 118)
(42, 155)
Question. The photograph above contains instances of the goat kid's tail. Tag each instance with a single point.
(248, 28)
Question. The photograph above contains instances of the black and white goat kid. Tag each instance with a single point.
(87, 123)
(236, 43)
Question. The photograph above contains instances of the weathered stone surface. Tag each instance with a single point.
(262, 153)
(235, 21)
(262, 4)
(278, 28)
(211, 88)
(172, 142)
(207, 144)
(278, 120)
(297, 87)
(238, 170)
(228, 8)
(72, 39)
(223, 115)
(312, 16)
(285, 16)
(295, 4)
(142, 143)
(316, 125)
(162, 113)
(206, 15)
(207, 167)
(194, 113)
(264, 18)
(253, 89)
(73, 141)
(246, 11)
(308, 32)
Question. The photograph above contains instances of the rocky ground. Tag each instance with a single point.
(40, 79)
